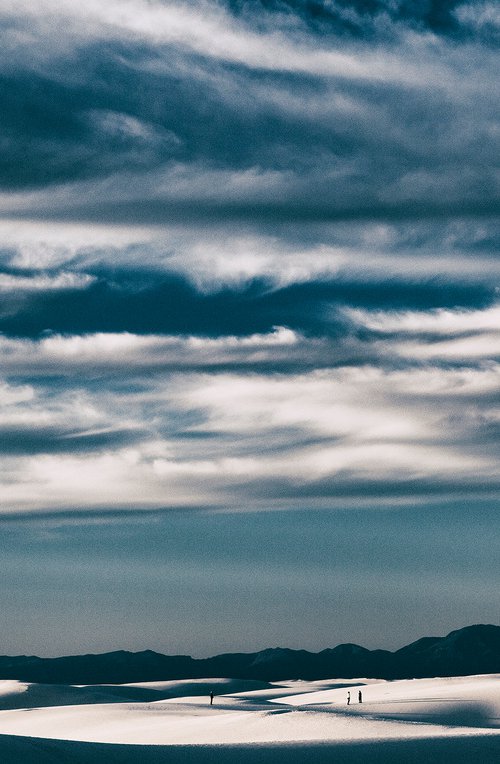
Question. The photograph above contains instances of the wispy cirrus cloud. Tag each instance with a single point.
(254, 421)
(10, 282)
(233, 440)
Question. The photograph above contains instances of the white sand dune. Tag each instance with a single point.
(441, 720)
(473, 701)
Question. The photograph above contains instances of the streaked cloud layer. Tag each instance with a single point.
(248, 254)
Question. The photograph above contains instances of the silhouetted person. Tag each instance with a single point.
(360, 697)
(211, 697)
(348, 698)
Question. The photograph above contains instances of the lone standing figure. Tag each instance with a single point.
(211, 698)
(360, 697)
(348, 698)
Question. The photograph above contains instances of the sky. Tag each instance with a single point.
(249, 323)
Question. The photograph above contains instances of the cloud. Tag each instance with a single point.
(480, 18)
(248, 253)
(436, 322)
(214, 424)
(44, 283)
(160, 113)
(148, 302)
(204, 28)
(438, 334)
(133, 355)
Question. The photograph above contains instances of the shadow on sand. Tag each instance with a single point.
(473, 749)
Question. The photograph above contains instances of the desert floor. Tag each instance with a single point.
(448, 720)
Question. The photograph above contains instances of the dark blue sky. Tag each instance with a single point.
(204, 582)
(249, 305)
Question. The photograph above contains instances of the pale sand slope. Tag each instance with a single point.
(441, 720)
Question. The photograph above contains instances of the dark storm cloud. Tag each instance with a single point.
(120, 114)
(362, 18)
(152, 303)
(172, 133)
(55, 130)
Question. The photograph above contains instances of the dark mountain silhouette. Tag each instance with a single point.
(472, 650)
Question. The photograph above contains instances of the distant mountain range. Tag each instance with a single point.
(472, 650)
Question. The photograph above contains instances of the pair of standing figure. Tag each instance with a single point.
(360, 698)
